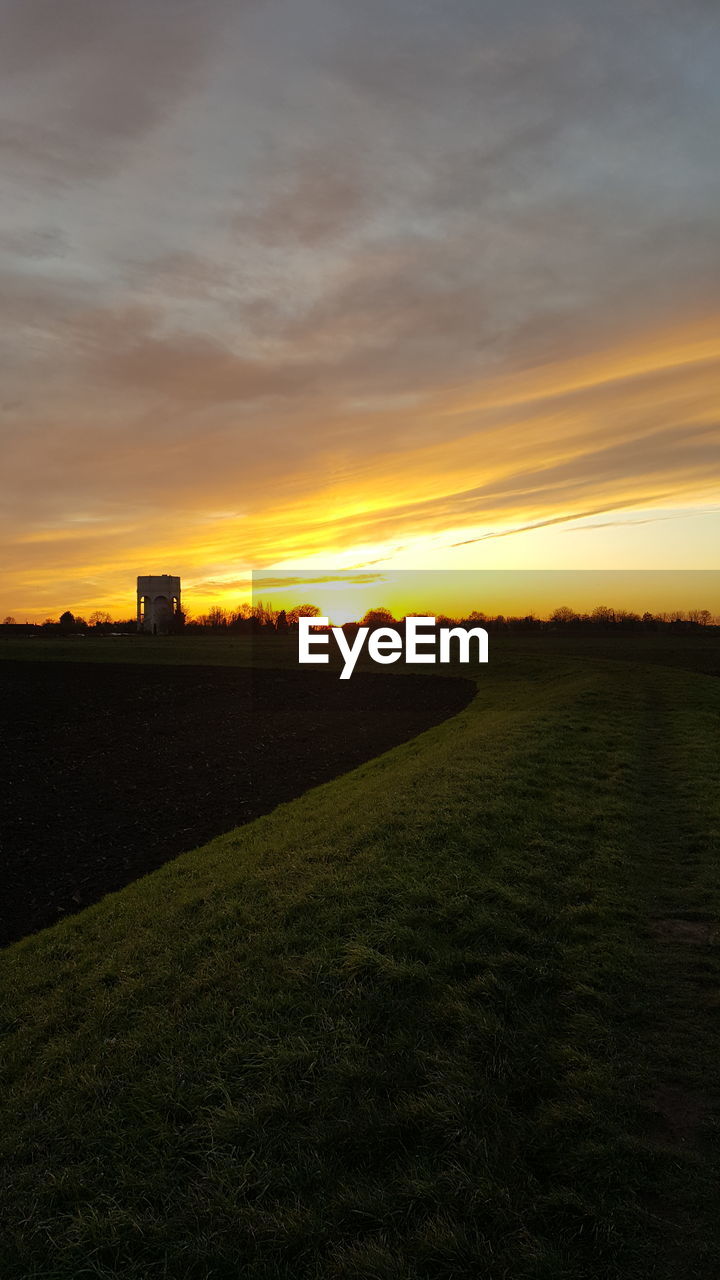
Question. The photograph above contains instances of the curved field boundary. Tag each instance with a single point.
(430, 1019)
(110, 770)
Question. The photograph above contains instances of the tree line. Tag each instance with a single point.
(263, 619)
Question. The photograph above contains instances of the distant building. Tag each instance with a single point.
(158, 603)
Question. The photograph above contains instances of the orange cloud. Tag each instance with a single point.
(550, 445)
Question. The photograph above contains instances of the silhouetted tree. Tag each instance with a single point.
(377, 618)
(302, 611)
(240, 618)
(564, 615)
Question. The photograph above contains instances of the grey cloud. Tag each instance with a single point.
(192, 369)
(566, 518)
(312, 203)
(82, 80)
(229, 224)
(181, 273)
(654, 519)
(34, 242)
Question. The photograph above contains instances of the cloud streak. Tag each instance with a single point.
(365, 275)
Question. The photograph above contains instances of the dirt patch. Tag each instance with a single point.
(693, 932)
(110, 770)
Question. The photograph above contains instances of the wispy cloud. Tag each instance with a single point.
(347, 276)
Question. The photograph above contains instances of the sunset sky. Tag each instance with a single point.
(355, 284)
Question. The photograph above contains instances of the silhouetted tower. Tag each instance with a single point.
(158, 603)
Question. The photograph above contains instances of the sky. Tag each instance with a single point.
(346, 596)
(354, 285)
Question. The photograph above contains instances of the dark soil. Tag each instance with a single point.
(107, 771)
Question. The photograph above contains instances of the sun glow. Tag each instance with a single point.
(586, 463)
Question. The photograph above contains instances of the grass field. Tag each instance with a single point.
(452, 1015)
(697, 651)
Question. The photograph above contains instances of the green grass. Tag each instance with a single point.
(409, 1025)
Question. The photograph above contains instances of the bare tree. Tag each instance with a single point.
(302, 611)
(380, 617)
(702, 617)
(564, 615)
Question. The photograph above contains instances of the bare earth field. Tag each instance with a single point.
(450, 1015)
(110, 769)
